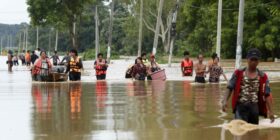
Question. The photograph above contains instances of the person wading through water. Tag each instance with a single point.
(66, 58)
(74, 66)
(100, 66)
(22, 58)
(28, 58)
(200, 70)
(34, 57)
(42, 68)
(145, 60)
(153, 66)
(15, 59)
(251, 92)
(211, 61)
(10, 60)
(187, 65)
(139, 71)
(216, 71)
(55, 58)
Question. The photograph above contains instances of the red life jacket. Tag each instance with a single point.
(99, 69)
(188, 67)
(38, 66)
(261, 96)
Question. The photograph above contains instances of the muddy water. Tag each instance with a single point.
(116, 110)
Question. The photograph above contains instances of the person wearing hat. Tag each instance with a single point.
(251, 92)
(153, 67)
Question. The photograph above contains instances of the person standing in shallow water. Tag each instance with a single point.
(139, 71)
(15, 59)
(42, 68)
(251, 92)
(34, 57)
(100, 66)
(187, 65)
(154, 66)
(10, 60)
(22, 57)
(28, 58)
(200, 70)
(210, 62)
(74, 66)
(55, 58)
(216, 71)
(66, 58)
(145, 60)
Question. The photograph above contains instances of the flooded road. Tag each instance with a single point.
(116, 110)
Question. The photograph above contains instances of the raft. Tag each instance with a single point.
(159, 75)
(56, 75)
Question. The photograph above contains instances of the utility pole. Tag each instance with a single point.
(173, 32)
(240, 35)
(96, 32)
(49, 42)
(23, 40)
(74, 33)
(157, 26)
(110, 31)
(11, 42)
(219, 28)
(37, 37)
(19, 42)
(8, 42)
(56, 40)
(1, 45)
(26, 37)
(140, 29)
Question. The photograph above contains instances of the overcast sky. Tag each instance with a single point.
(13, 11)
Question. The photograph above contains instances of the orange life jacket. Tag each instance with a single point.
(99, 69)
(27, 57)
(74, 67)
(38, 66)
(188, 66)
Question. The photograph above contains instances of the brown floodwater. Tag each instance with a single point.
(116, 110)
(122, 110)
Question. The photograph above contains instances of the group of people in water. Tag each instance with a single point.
(249, 87)
(143, 68)
(41, 65)
(200, 69)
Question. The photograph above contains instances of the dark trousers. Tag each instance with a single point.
(101, 77)
(74, 76)
(248, 112)
(22, 61)
(16, 62)
(199, 79)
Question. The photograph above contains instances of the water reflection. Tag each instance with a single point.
(42, 96)
(132, 110)
(101, 93)
(75, 100)
(58, 112)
